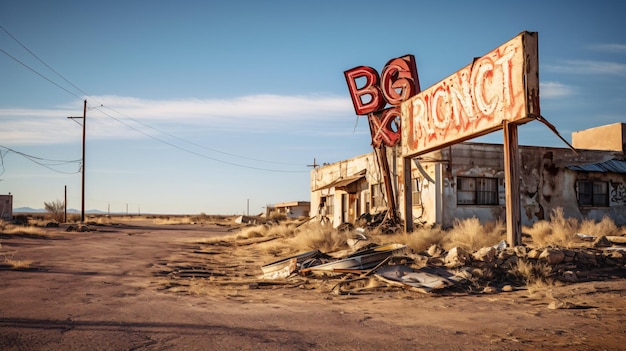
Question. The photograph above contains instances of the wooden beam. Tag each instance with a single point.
(512, 185)
(408, 192)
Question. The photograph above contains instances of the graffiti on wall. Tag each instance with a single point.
(475, 100)
(618, 193)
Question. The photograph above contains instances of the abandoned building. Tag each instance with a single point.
(293, 209)
(466, 180)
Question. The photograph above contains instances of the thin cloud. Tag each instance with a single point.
(555, 90)
(258, 107)
(113, 116)
(614, 48)
(587, 67)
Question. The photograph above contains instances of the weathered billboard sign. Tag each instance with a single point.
(502, 86)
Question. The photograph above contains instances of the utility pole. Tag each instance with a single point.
(65, 206)
(82, 196)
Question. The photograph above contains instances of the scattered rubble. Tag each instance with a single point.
(78, 228)
(364, 267)
(487, 270)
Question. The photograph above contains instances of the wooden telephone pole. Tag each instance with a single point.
(82, 168)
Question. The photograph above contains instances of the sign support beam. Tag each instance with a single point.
(512, 185)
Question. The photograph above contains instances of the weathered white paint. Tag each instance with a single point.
(501, 86)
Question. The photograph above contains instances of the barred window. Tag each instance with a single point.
(593, 193)
(477, 191)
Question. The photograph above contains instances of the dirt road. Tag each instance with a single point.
(106, 290)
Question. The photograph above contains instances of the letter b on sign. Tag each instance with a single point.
(398, 83)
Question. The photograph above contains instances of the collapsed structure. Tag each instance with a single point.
(467, 180)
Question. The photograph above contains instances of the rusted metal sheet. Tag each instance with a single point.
(502, 86)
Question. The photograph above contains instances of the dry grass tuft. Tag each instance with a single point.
(605, 227)
(173, 220)
(470, 234)
(257, 231)
(18, 264)
(559, 231)
(10, 229)
(316, 236)
(419, 240)
(14, 264)
(535, 274)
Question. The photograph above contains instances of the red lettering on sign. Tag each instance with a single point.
(471, 102)
(399, 82)
(370, 89)
(385, 127)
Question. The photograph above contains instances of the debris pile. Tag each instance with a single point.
(489, 269)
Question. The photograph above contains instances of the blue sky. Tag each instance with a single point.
(208, 106)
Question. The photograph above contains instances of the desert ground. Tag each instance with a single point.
(140, 285)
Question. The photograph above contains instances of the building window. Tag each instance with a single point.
(477, 191)
(328, 202)
(377, 195)
(593, 193)
(416, 192)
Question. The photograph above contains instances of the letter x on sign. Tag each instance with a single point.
(382, 127)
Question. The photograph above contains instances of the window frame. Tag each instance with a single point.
(376, 196)
(416, 192)
(329, 204)
(592, 195)
(478, 193)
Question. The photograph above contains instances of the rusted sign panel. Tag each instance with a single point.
(500, 86)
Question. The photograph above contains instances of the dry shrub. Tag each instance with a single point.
(539, 232)
(316, 236)
(535, 274)
(560, 231)
(419, 240)
(257, 231)
(605, 227)
(172, 220)
(14, 264)
(470, 234)
(18, 264)
(277, 216)
(283, 230)
(11, 229)
(279, 249)
(56, 209)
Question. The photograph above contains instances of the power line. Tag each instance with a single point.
(198, 145)
(196, 153)
(42, 61)
(47, 163)
(39, 74)
(144, 124)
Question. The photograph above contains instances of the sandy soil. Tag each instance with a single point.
(140, 286)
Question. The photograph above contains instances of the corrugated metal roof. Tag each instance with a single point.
(612, 166)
